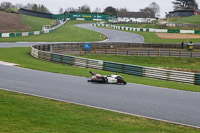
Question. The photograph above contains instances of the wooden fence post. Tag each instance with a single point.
(80, 51)
(116, 51)
(180, 53)
(95, 51)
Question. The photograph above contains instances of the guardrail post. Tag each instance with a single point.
(159, 52)
(169, 53)
(138, 52)
(180, 53)
(148, 52)
(192, 54)
(127, 52)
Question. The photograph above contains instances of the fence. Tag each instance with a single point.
(119, 45)
(134, 49)
(182, 25)
(170, 75)
(32, 32)
(148, 29)
(139, 52)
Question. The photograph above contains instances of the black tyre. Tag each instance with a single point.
(122, 82)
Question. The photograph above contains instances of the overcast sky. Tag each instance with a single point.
(131, 5)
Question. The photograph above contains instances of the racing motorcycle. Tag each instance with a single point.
(112, 79)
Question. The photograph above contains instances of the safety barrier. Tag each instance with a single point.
(149, 29)
(16, 34)
(163, 74)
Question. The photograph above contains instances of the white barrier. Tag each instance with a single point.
(5, 35)
(171, 75)
(187, 31)
(24, 33)
(36, 32)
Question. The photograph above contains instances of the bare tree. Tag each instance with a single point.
(84, 9)
(61, 11)
(71, 9)
(155, 8)
(28, 6)
(18, 5)
(97, 10)
(5, 5)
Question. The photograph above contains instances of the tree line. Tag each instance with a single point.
(153, 8)
(7, 6)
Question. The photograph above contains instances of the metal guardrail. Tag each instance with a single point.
(163, 74)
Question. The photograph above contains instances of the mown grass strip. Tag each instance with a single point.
(22, 113)
(21, 56)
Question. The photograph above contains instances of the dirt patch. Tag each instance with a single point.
(176, 36)
(10, 22)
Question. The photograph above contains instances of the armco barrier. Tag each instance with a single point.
(32, 32)
(149, 29)
(163, 74)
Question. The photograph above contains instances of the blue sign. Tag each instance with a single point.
(87, 46)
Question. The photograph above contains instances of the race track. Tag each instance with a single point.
(159, 103)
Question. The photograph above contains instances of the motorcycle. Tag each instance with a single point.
(112, 79)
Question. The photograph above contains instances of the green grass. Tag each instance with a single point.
(150, 37)
(156, 26)
(186, 20)
(187, 64)
(67, 33)
(36, 22)
(21, 56)
(21, 113)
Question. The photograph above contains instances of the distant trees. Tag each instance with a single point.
(81, 9)
(185, 4)
(5, 5)
(35, 7)
(153, 9)
(84, 9)
(110, 11)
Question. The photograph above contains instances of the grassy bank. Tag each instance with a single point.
(186, 64)
(186, 20)
(22, 113)
(21, 56)
(67, 33)
(36, 23)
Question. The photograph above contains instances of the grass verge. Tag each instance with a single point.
(21, 56)
(67, 33)
(187, 20)
(156, 26)
(22, 113)
(184, 64)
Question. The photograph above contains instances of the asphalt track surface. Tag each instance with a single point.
(115, 35)
(155, 102)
